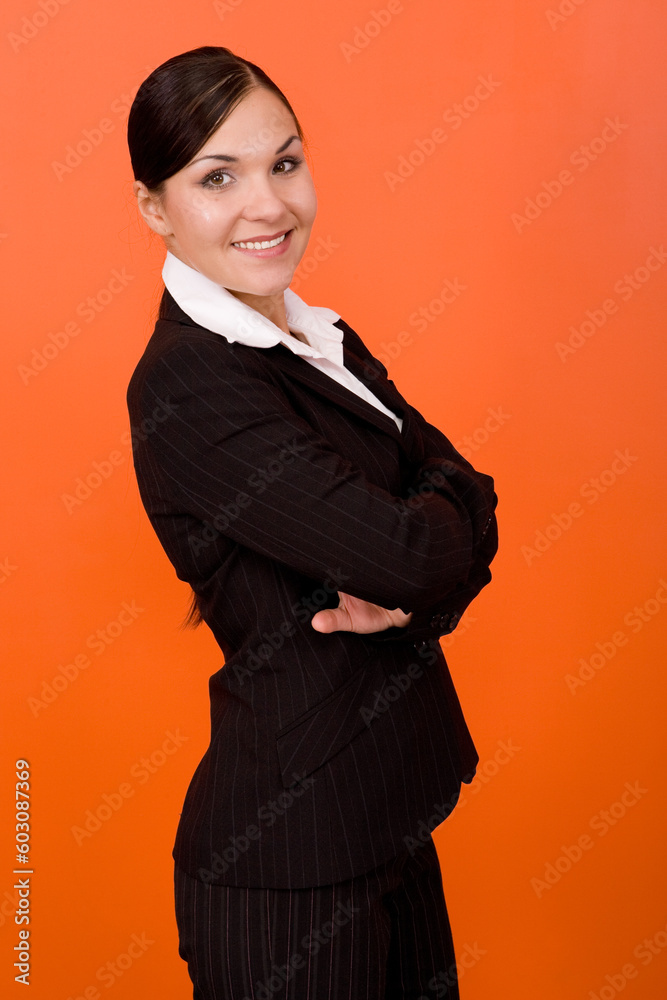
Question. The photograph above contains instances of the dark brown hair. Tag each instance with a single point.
(182, 103)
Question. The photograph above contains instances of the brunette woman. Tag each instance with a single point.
(330, 535)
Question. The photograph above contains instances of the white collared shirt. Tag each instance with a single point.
(215, 308)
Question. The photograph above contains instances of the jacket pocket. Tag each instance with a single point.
(313, 738)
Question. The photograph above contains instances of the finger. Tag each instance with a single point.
(329, 620)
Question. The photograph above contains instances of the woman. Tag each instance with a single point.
(330, 536)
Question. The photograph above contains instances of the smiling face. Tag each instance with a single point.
(248, 185)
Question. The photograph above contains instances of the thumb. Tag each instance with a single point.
(332, 619)
(324, 621)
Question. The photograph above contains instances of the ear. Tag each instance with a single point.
(152, 209)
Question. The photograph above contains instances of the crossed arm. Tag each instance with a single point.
(412, 567)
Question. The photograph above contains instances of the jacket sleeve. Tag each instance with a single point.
(444, 614)
(230, 422)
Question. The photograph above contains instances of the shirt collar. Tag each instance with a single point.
(215, 308)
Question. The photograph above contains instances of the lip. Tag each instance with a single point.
(269, 251)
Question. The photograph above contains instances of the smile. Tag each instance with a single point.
(264, 245)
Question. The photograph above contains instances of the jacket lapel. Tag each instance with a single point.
(296, 367)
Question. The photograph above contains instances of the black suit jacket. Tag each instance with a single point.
(271, 487)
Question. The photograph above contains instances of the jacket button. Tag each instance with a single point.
(440, 621)
(420, 645)
(454, 619)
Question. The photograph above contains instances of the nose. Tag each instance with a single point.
(263, 200)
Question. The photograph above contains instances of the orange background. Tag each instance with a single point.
(566, 585)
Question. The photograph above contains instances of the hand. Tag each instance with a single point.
(355, 615)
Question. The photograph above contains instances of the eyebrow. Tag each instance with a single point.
(234, 159)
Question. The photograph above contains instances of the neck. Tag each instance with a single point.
(270, 306)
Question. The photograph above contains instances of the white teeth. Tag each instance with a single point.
(264, 245)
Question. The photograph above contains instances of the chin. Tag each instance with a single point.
(273, 287)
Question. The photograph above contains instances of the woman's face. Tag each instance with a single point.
(248, 184)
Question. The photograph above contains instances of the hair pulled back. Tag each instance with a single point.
(182, 103)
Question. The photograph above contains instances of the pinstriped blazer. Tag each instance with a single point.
(271, 487)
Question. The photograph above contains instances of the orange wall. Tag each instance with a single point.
(530, 138)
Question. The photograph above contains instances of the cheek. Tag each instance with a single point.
(307, 204)
(200, 218)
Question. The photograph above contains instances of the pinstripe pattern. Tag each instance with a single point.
(383, 935)
(270, 487)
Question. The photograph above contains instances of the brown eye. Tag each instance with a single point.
(292, 162)
(215, 179)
